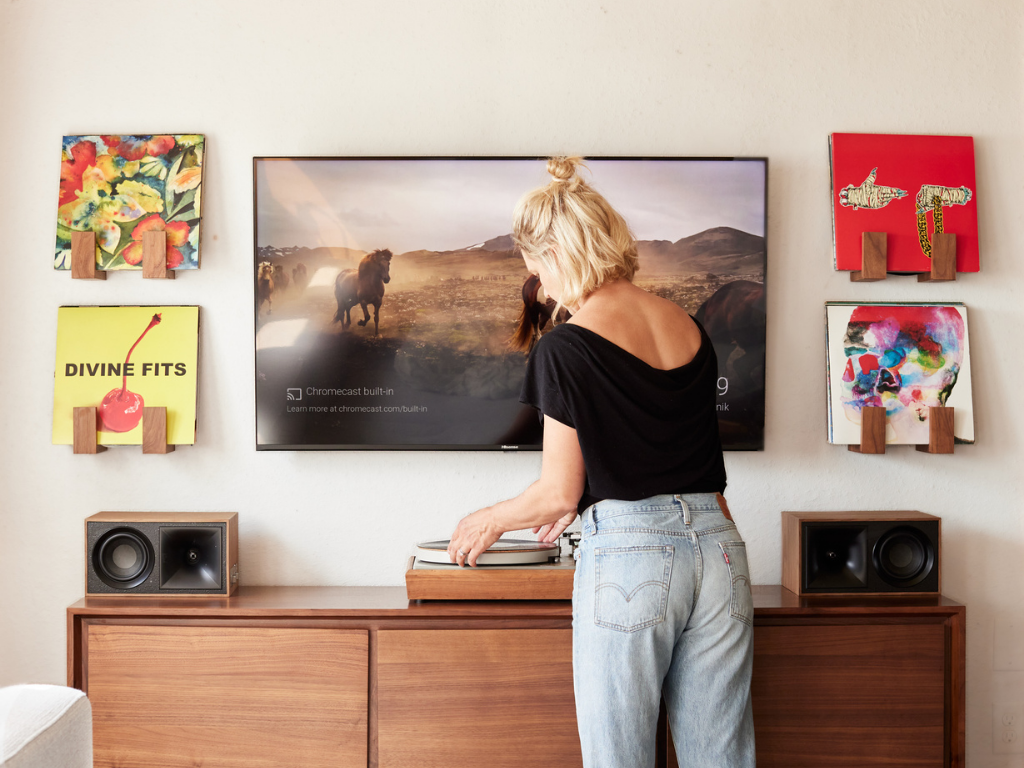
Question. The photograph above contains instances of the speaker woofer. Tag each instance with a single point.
(123, 558)
(190, 557)
(903, 556)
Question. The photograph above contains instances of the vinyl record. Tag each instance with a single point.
(502, 552)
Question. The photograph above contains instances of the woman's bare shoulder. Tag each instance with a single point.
(675, 332)
(656, 330)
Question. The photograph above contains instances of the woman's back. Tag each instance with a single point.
(650, 328)
(635, 376)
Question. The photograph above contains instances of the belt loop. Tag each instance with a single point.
(686, 509)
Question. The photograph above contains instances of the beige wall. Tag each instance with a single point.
(736, 77)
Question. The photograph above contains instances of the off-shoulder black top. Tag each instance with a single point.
(643, 431)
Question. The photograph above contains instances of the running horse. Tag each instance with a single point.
(364, 286)
(300, 277)
(536, 313)
(265, 287)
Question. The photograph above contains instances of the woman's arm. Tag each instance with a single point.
(548, 505)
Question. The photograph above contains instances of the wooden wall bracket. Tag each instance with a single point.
(873, 258)
(84, 440)
(943, 259)
(940, 431)
(872, 431)
(154, 430)
(874, 251)
(83, 257)
(154, 255)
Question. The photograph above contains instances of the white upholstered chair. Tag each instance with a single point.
(45, 726)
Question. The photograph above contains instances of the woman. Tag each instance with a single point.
(661, 599)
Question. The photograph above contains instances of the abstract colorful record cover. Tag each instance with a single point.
(122, 186)
(909, 187)
(902, 357)
(120, 360)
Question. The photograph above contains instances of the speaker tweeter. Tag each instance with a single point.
(836, 556)
(190, 558)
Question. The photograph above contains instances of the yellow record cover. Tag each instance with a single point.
(120, 359)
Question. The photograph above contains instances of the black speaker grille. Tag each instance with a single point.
(870, 556)
(151, 533)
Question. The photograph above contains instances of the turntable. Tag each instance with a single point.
(511, 569)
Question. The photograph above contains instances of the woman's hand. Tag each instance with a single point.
(552, 531)
(557, 492)
(472, 537)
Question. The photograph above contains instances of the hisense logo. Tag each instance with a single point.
(294, 393)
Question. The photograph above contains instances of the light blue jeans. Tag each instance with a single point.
(662, 607)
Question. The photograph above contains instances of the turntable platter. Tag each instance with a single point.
(502, 552)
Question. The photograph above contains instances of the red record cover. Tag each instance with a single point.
(909, 187)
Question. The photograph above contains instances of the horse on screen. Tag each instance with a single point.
(363, 286)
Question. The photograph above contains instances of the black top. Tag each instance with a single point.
(643, 431)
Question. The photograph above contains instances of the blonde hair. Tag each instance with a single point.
(574, 232)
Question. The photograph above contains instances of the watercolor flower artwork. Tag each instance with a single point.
(905, 358)
(122, 186)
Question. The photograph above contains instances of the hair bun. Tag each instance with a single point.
(564, 168)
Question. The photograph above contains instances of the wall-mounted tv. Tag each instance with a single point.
(387, 291)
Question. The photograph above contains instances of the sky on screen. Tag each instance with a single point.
(451, 204)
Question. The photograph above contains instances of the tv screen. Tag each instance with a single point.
(388, 292)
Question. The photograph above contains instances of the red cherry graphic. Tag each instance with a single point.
(121, 410)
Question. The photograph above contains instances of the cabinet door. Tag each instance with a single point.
(850, 695)
(476, 697)
(240, 697)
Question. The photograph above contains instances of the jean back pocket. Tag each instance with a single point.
(632, 586)
(742, 605)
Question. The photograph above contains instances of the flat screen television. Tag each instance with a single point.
(387, 291)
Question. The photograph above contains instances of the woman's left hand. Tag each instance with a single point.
(472, 537)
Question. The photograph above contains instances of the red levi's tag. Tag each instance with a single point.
(726, 555)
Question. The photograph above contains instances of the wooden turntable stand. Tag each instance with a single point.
(541, 581)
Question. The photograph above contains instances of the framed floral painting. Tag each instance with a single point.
(123, 186)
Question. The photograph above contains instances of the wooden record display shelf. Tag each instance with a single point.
(154, 256)
(362, 676)
(872, 431)
(154, 431)
(874, 252)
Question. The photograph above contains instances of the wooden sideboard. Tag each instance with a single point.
(338, 676)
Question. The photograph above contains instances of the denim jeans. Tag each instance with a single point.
(662, 607)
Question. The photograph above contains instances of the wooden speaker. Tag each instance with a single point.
(861, 553)
(187, 554)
